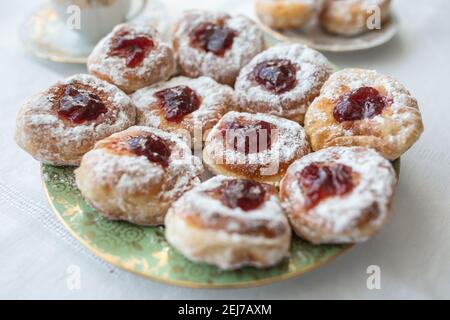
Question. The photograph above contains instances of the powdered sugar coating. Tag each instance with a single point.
(313, 69)
(133, 180)
(289, 143)
(391, 133)
(52, 140)
(197, 201)
(350, 17)
(194, 62)
(353, 217)
(216, 100)
(158, 65)
(228, 247)
(138, 171)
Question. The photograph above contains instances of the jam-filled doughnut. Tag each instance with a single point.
(185, 105)
(350, 17)
(136, 174)
(287, 14)
(282, 81)
(215, 44)
(59, 125)
(339, 195)
(132, 56)
(254, 146)
(363, 108)
(230, 223)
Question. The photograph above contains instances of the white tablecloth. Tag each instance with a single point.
(413, 251)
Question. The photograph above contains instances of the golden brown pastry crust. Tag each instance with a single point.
(349, 17)
(282, 14)
(287, 143)
(391, 133)
(194, 62)
(312, 70)
(158, 65)
(204, 229)
(215, 100)
(348, 218)
(123, 185)
(53, 140)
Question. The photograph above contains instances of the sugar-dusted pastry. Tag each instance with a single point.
(184, 105)
(132, 56)
(282, 81)
(363, 108)
(59, 125)
(287, 14)
(339, 195)
(215, 44)
(230, 223)
(351, 17)
(135, 175)
(254, 146)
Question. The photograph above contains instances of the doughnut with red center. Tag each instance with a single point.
(132, 56)
(59, 125)
(135, 175)
(282, 81)
(254, 146)
(363, 108)
(339, 195)
(230, 223)
(184, 105)
(215, 44)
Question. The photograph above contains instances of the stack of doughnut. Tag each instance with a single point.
(339, 17)
(293, 146)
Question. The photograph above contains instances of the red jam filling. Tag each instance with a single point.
(319, 181)
(364, 103)
(79, 106)
(134, 50)
(212, 37)
(245, 194)
(178, 102)
(248, 138)
(153, 148)
(278, 76)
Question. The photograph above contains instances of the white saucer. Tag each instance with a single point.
(315, 37)
(45, 36)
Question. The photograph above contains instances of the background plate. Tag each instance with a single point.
(314, 37)
(45, 36)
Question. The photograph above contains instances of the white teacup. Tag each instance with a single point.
(92, 19)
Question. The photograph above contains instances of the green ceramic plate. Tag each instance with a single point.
(144, 251)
